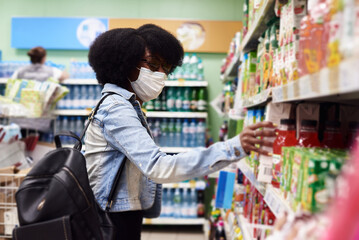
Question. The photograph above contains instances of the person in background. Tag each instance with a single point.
(37, 70)
(134, 64)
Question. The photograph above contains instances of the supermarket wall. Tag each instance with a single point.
(180, 9)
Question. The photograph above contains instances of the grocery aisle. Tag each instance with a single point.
(172, 233)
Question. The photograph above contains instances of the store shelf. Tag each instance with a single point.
(256, 100)
(250, 41)
(232, 69)
(186, 83)
(176, 114)
(248, 172)
(3, 80)
(71, 112)
(244, 226)
(174, 221)
(330, 84)
(198, 184)
(276, 201)
(78, 81)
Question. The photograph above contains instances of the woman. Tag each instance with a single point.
(37, 70)
(134, 63)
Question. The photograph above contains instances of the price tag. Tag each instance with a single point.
(304, 86)
(181, 82)
(315, 84)
(147, 221)
(290, 91)
(334, 79)
(277, 94)
(323, 81)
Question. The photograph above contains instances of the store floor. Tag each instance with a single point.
(172, 233)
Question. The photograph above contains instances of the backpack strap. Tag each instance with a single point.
(120, 170)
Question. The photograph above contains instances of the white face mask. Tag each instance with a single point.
(149, 84)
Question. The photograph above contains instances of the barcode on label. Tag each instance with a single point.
(268, 171)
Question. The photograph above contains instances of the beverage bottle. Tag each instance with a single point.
(98, 92)
(58, 124)
(72, 128)
(164, 132)
(179, 99)
(308, 135)
(178, 133)
(202, 103)
(200, 70)
(200, 203)
(75, 100)
(201, 133)
(157, 132)
(150, 105)
(92, 97)
(223, 131)
(286, 137)
(186, 66)
(65, 127)
(171, 132)
(177, 200)
(220, 234)
(332, 137)
(185, 133)
(163, 100)
(84, 97)
(193, 204)
(78, 126)
(194, 100)
(157, 104)
(192, 133)
(193, 67)
(186, 104)
(178, 73)
(185, 204)
(171, 99)
(164, 203)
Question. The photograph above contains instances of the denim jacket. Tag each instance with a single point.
(120, 129)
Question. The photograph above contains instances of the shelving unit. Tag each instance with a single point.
(257, 100)
(177, 114)
(177, 83)
(3, 80)
(231, 71)
(250, 41)
(174, 221)
(338, 83)
(272, 196)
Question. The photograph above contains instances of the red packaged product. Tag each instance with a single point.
(333, 137)
(308, 135)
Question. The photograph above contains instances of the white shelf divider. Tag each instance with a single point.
(180, 83)
(78, 81)
(248, 172)
(3, 80)
(177, 114)
(174, 221)
(71, 112)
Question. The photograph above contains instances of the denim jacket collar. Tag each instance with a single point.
(109, 87)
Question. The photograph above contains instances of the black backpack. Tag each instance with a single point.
(55, 200)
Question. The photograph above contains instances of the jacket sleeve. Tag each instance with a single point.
(124, 132)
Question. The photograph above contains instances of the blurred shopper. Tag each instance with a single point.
(37, 70)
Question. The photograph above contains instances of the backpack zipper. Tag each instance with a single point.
(78, 184)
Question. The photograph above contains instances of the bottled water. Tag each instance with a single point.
(171, 132)
(92, 98)
(170, 99)
(178, 133)
(186, 66)
(164, 132)
(78, 126)
(65, 127)
(156, 132)
(193, 204)
(179, 99)
(177, 201)
(185, 133)
(185, 203)
(75, 98)
(192, 133)
(164, 211)
(186, 100)
(84, 97)
(193, 67)
(200, 70)
(201, 133)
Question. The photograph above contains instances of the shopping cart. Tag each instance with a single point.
(9, 183)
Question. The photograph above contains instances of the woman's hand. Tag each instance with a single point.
(249, 137)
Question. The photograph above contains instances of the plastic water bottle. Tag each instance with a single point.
(84, 97)
(186, 66)
(156, 132)
(201, 133)
(170, 99)
(177, 201)
(194, 100)
(200, 70)
(164, 132)
(78, 126)
(75, 100)
(163, 100)
(171, 133)
(186, 103)
(170, 206)
(65, 127)
(185, 203)
(178, 133)
(164, 203)
(179, 73)
(193, 67)
(193, 204)
(192, 133)
(202, 103)
(157, 104)
(179, 99)
(91, 102)
(185, 133)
